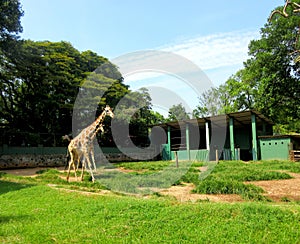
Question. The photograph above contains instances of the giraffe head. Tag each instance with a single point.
(108, 111)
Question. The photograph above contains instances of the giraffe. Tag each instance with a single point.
(91, 153)
(91, 150)
(82, 144)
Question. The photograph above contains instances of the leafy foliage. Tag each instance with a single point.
(274, 71)
(269, 81)
(10, 24)
(39, 86)
(177, 112)
(40, 82)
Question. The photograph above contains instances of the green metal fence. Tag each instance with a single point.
(5, 150)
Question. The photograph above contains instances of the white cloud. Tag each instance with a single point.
(215, 51)
(218, 55)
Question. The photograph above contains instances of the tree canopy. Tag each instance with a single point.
(10, 19)
(177, 112)
(269, 81)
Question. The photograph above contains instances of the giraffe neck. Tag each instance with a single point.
(89, 133)
(98, 121)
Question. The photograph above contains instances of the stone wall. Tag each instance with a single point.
(56, 160)
(31, 161)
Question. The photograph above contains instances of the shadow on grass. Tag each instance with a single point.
(5, 219)
(7, 186)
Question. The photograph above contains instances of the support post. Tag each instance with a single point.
(169, 143)
(254, 141)
(231, 138)
(187, 137)
(207, 135)
(176, 159)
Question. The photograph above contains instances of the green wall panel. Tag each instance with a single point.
(274, 148)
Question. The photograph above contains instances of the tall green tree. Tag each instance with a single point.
(178, 112)
(215, 101)
(269, 81)
(274, 72)
(241, 91)
(40, 84)
(10, 27)
(10, 20)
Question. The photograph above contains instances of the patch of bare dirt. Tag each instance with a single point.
(203, 168)
(87, 193)
(183, 194)
(277, 190)
(123, 170)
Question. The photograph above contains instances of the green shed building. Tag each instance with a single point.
(229, 137)
(284, 147)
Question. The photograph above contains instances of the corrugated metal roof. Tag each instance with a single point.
(242, 118)
(279, 136)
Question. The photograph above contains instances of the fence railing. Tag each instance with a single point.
(294, 155)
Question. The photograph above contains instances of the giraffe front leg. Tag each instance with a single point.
(90, 167)
(93, 161)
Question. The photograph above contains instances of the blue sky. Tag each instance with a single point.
(212, 34)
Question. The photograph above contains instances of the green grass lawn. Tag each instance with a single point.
(31, 211)
(226, 177)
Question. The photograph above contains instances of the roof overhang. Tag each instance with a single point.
(241, 119)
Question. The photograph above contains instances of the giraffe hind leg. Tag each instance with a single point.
(72, 163)
(68, 174)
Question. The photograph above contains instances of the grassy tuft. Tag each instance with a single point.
(220, 186)
(148, 167)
